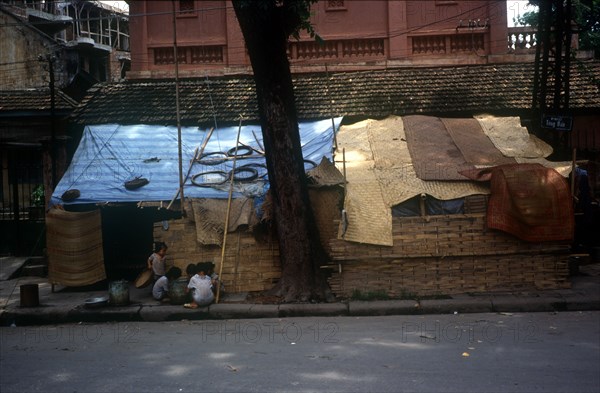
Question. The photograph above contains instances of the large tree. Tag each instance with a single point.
(267, 26)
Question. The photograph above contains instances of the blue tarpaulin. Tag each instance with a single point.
(111, 154)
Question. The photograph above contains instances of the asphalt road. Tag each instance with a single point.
(543, 352)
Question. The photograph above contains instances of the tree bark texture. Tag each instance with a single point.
(266, 33)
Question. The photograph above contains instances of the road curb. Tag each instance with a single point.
(527, 304)
(313, 310)
(383, 307)
(451, 306)
(235, 310)
(52, 315)
(581, 304)
(161, 313)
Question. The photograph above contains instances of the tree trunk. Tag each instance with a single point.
(300, 249)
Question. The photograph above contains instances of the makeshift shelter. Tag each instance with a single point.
(138, 164)
(393, 162)
(415, 216)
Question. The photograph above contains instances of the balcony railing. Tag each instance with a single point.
(209, 54)
(336, 49)
(446, 44)
(522, 39)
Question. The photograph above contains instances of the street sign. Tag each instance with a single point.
(557, 122)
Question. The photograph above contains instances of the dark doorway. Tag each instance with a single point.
(127, 233)
(22, 201)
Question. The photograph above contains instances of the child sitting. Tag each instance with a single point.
(160, 290)
(201, 286)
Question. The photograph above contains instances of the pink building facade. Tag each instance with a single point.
(358, 35)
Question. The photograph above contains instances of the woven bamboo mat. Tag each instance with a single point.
(513, 140)
(209, 215)
(325, 174)
(433, 152)
(380, 175)
(369, 217)
(475, 146)
(74, 244)
(395, 172)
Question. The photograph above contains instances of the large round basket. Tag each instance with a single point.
(143, 279)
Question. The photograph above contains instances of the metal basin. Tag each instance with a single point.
(95, 302)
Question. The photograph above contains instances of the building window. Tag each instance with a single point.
(186, 7)
(335, 5)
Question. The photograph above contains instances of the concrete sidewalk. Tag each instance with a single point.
(68, 306)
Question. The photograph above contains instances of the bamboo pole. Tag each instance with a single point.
(197, 153)
(331, 113)
(344, 217)
(177, 107)
(228, 211)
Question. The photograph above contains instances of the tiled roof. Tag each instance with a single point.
(34, 100)
(377, 94)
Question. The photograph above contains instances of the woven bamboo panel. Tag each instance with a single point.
(325, 203)
(476, 204)
(75, 255)
(429, 276)
(447, 255)
(440, 236)
(249, 265)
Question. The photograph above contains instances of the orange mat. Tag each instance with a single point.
(531, 202)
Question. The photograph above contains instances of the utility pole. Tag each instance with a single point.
(51, 58)
(178, 116)
(552, 71)
(52, 120)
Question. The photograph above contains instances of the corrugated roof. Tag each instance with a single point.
(373, 93)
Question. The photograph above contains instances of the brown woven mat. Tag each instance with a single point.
(475, 146)
(395, 173)
(74, 245)
(434, 154)
(325, 174)
(210, 214)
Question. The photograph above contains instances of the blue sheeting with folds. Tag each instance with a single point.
(111, 154)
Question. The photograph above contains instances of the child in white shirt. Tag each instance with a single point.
(201, 285)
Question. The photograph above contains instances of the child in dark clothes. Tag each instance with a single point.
(160, 290)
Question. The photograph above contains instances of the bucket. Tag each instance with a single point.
(177, 294)
(118, 293)
(30, 296)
